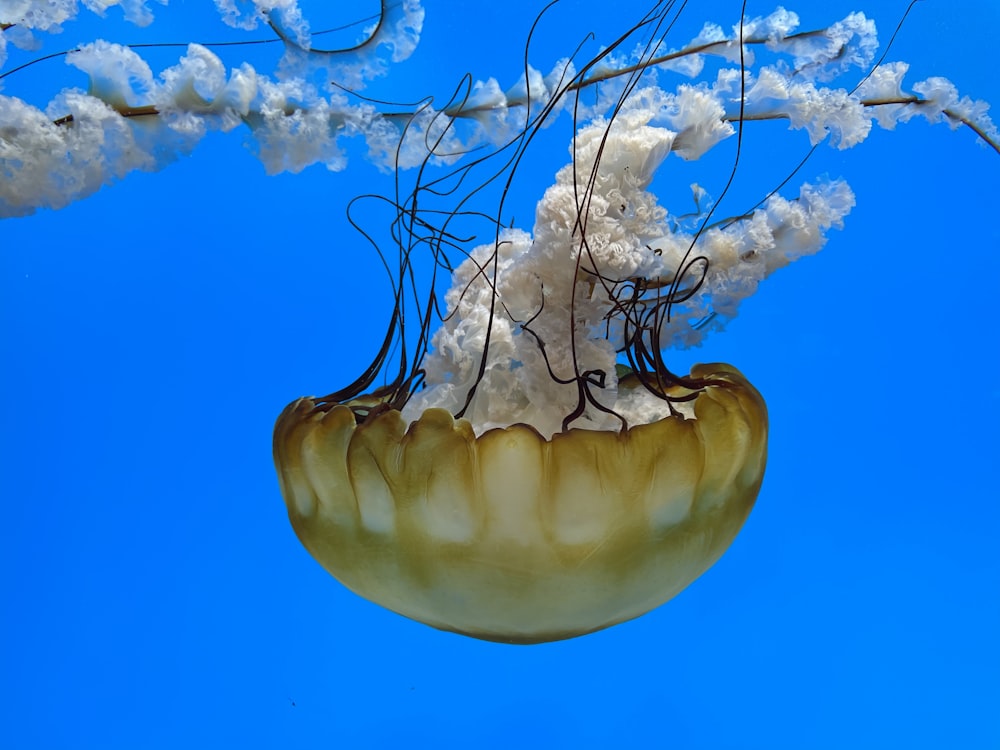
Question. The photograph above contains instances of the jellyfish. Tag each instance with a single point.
(535, 471)
(531, 489)
(518, 463)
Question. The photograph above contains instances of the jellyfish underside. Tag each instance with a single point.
(512, 537)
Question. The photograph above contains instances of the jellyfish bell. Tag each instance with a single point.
(510, 536)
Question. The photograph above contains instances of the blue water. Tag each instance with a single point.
(152, 593)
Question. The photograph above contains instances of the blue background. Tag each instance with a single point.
(152, 593)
